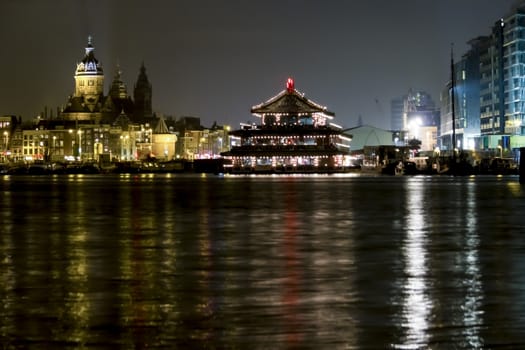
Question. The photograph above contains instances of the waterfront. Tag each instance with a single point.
(321, 262)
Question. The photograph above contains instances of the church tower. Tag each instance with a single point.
(118, 89)
(142, 97)
(89, 78)
(86, 102)
(117, 102)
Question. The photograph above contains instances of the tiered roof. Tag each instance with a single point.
(290, 102)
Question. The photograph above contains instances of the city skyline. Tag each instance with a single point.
(215, 61)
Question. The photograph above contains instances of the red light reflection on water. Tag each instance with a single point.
(293, 276)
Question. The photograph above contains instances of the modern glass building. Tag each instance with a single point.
(489, 90)
(502, 84)
(467, 77)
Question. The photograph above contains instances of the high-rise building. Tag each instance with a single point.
(492, 90)
(396, 113)
(420, 119)
(502, 83)
(467, 76)
(511, 34)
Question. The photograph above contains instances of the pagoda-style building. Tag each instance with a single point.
(293, 135)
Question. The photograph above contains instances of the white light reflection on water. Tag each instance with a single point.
(472, 313)
(417, 306)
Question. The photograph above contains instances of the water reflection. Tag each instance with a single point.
(472, 313)
(260, 262)
(8, 275)
(416, 303)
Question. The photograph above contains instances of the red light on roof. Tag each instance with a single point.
(290, 85)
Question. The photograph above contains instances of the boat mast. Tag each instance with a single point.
(453, 104)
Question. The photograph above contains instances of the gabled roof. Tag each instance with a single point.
(290, 101)
(76, 104)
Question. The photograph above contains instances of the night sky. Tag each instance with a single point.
(217, 58)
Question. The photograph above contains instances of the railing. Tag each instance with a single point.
(285, 148)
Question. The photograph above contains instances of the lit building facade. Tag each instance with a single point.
(492, 90)
(163, 142)
(420, 120)
(294, 134)
(9, 141)
(467, 107)
(467, 94)
(204, 143)
(35, 144)
(502, 84)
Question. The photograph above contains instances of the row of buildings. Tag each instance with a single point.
(94, 126)
(482, 108)
(488, 86)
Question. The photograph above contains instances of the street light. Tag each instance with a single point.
(125, 154)
(97, 146)
(79, 132)
(54, 145)
(6, 138)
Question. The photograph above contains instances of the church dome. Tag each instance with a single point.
(89, 64)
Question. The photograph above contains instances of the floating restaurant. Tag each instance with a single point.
(293, 135)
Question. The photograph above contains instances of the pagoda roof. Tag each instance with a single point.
(290, 101)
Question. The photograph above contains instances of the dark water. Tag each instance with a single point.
(319, 262)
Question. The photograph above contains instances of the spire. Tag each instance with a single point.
(118, 89)
(119, 72)
(89, 47)
(89, 64)
(142, 96)
(143, 77)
